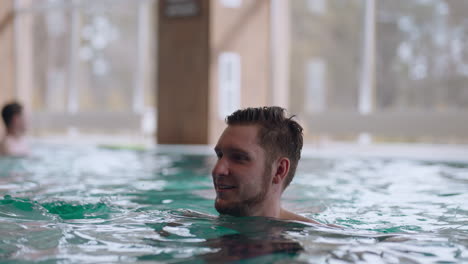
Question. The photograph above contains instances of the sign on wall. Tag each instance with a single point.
(181, 8)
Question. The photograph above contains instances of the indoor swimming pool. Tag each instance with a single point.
(86, 204)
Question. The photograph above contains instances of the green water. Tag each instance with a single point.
(103, 205)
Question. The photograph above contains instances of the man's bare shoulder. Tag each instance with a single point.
(287, 215)
(11, 146)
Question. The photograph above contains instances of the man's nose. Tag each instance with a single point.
(221, 168)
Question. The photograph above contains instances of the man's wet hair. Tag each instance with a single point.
(9, 111)
(279, 135)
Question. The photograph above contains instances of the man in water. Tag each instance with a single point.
(257, 154)
(14, 143)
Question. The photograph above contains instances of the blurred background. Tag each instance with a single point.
(363, 72)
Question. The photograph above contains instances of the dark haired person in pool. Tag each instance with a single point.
(257, 154)
(14, 143)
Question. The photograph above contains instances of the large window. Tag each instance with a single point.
(422, 55)
(396, 70)
(326, 49)
(87, 65)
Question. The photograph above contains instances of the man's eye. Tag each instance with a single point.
(239, 157)
(219, 155)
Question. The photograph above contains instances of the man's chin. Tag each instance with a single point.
(229, 208)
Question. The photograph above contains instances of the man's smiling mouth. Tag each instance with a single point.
(224, 187)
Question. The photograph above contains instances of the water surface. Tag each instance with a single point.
(96, 205)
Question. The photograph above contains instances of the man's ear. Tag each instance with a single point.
(281, 170)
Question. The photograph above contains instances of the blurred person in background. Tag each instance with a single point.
(14, 142)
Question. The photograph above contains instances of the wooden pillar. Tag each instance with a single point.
(213, 58)
(7, 51)
(183, 69)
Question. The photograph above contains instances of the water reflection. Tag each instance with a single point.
(229, 238)
(238, 247)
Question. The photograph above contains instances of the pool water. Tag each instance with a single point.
(98, 205)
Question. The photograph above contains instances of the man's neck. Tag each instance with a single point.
(267, 209)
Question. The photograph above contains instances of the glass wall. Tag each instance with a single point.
(92, 63)
(422, 55)
(326, 51)
(393, 70)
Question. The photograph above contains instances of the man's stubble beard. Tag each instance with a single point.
(247, 206)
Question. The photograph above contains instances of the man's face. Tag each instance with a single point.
(18, 123)
(240, 177)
